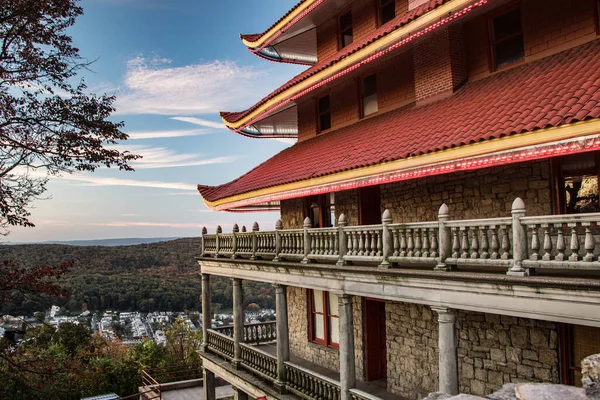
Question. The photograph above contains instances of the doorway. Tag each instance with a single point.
(375, 340)
(369, 203)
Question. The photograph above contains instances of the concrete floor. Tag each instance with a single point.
(196, 393)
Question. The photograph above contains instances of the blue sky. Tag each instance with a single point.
(173, 64)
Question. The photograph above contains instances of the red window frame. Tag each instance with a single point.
(325, 315)
(381, 4)
(493, 42)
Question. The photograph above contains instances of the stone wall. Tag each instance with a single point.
(324, 356)
(412, 356)
(494, 350)
(292, 213)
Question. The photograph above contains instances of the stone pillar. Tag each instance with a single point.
(238, 322)
(209, 384)
(387, 239)
(307, 226)
(347, 370)
(444, 238)
(519, 241)
(283, 340)
(342, 244)
(206, 314)
(239, 394)
(448, 362)
(234, 232)
(278, 228)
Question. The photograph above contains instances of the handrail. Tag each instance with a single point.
(309, 384)
(519, 244)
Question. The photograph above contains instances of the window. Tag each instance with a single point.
(324, 114)
(387, 10)
(576, 343)
(319, 209)
(368, 98)
(577, 183)
(507, 38)
(345, 28)
(324, 318)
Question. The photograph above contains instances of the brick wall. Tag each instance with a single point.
(439, 62)
(324, 356)
(549, 26)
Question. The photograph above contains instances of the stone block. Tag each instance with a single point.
(467, 371)
(548, 357)
(498, 355)
(530, 355)
(513, 354)
(524, 371)
(481, 375)
(477, 387)
(495, 378)
(543, 374)
(519, 336)
(539, 337)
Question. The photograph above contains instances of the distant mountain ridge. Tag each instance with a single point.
(104, 242)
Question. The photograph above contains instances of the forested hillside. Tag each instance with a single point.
(147, 277)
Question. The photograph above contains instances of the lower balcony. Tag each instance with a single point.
(303, 379)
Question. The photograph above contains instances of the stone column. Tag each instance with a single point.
(209, 384)
(206, 314)
(283, 340)
(239, 394)
(238, 322)
(347, 370)
(519, 240)
(448, 362)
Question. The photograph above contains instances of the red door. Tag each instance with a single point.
(375, 340)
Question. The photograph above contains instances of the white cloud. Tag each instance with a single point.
(286, 140)
(161, 157)
(153, 86)
(166, 134)
(156, 224)
(201, 122)
(90, 180)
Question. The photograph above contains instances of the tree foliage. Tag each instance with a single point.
(49, 124)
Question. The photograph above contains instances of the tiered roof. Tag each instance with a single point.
(399, 32)
(489, 121)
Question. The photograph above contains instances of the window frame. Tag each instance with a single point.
(361, 95)
(380, 7)
(326, 315)
(319, 113)
(558, 182)
(492, 43)
(340, 33)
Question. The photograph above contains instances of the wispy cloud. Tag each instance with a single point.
(286, 140)
(90, 180)
(162, 157)
(130, 215)
(201, 122)
(147, 223)
(167, 134)
(153, 86)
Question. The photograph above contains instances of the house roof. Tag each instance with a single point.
(554, 91)
(384, 30)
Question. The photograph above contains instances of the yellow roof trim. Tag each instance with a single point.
(370, 49)
(279, 26)
(538, 137)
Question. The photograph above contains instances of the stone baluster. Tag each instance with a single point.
(547, 243)
(218, 240)
(434, 244)
(574, 243)
(418, 243)
(204, 232)
(495, 246)
(426, 244)
(374, 241)
(410, 246)
(255, 229)
(505, 243)
(403, 244)
(455, 243)
(361, 243)
(307, 242)
(475, 243)
(484, 243)
(234, 241)
(342, 240)
(519, 245)
(396, 242)
(535, 244)
(560, 243)
(464, 245)
(387, 239)
(589, 244)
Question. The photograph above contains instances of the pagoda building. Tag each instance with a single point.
(439, 209)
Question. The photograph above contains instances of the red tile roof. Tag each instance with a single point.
(557, 90)
(384, 30)
(251, 37)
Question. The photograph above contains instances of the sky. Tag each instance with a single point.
(173, 65)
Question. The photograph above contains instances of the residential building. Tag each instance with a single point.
(439, 210)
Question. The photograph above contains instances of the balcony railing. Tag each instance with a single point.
(517, 243)
(259, 332)
(300, 381)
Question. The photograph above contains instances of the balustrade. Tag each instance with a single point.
(220, 344)
(310, 385)
(259, 332)
(517, 243)
(259, 362)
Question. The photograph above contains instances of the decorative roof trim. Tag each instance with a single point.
(297, 13)
(424, 24)
(522, 147)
